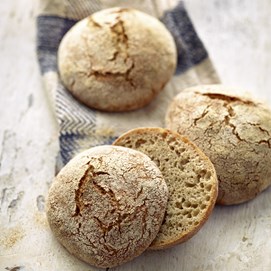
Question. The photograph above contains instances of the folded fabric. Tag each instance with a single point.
(81, 127)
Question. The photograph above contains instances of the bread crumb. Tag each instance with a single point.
(105, 131)
(11, 236)
(41, 220)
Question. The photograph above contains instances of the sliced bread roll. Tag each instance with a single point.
(190, 177)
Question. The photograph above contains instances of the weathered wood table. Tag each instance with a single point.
(237, 35)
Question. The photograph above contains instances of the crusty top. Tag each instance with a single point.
(234, 131)
(117, 59)
(107, 204)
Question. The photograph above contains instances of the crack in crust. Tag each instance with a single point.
(120, 219)
(227, 119)
(119, 30)
(227, 98)
(89, 175)
(122, 48)
(268, 142)
(231, 113)
(93, 22)
(79, 190)
(108, 75)
(122, 38)
(80, 233)
(203, 114)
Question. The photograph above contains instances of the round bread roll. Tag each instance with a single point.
(117, 59)
(107, 204)
(190, 177)
(233, 131)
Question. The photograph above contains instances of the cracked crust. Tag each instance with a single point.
(234, 131)
(117, 59)
(107, 204)
(190, 177)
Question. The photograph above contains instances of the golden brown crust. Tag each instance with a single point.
(162, 145)
(107, 204)
(234, 131)
(117, 59)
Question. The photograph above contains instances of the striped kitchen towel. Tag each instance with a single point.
(81, 127)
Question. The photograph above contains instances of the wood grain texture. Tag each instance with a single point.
(237, 35)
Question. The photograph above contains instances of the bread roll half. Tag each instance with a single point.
(190, 177)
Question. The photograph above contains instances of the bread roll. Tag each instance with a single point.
(107, 204)
(117, 59)
(234, 132)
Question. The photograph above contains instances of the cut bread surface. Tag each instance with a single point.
(190, 177)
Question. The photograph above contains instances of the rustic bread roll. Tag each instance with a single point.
(235, 133)
(107, 204)
(117, 59)
(190, 177)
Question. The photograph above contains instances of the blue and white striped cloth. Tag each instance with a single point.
(81, 127)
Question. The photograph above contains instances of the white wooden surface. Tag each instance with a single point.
(237, 35)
